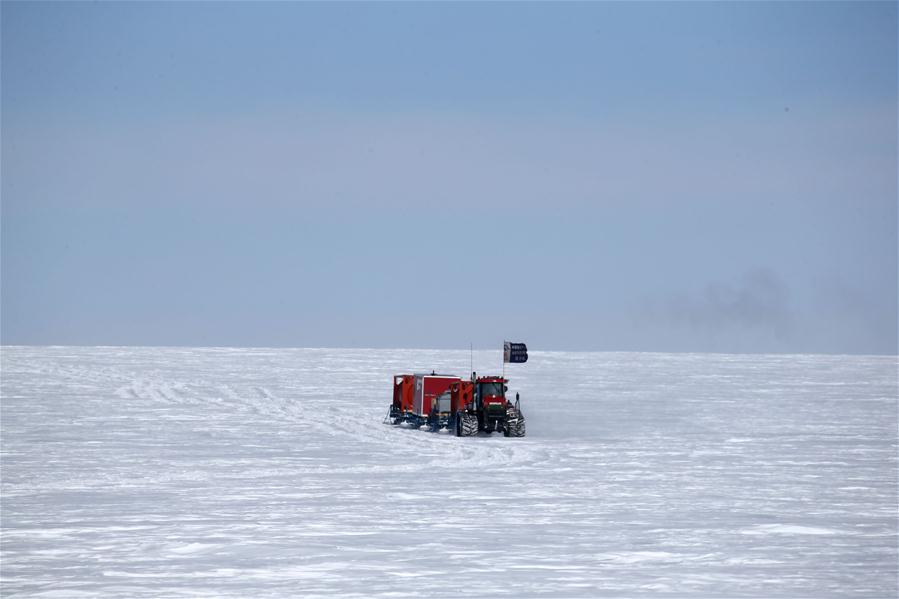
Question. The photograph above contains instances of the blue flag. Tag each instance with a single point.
(515, 353)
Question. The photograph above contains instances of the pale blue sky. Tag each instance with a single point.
(669, 177)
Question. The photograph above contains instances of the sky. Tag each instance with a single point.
(708, 177)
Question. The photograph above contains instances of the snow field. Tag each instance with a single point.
(168, 472)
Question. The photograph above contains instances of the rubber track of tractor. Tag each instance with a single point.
(515, 427)
(469, 425)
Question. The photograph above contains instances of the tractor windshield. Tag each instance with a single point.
(491, 389)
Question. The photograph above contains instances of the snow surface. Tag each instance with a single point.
(149, 472)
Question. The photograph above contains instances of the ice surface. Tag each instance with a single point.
(148, 472)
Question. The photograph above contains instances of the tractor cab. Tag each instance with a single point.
(492, 387)
(490, 394)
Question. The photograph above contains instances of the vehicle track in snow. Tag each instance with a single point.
(304, 409)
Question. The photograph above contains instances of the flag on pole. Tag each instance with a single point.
(514, 353)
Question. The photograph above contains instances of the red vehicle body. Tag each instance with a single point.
(414, 394)
(461, 395)
(464, 407)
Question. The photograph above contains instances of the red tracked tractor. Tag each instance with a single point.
(463, 407)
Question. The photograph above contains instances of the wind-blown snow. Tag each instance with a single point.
(148, 472)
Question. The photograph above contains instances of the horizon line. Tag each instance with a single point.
(361, 348)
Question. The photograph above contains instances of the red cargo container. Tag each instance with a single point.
(428, 387)
(403, 386)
